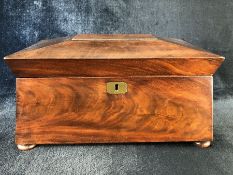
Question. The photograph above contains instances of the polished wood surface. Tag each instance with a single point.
(113, 49)
(114, 56)
(112, 36)
(48, 42)
(78, 110)
(62, 98)
(112, 68)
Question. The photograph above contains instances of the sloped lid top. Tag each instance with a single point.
(128, 46)
(112, 56)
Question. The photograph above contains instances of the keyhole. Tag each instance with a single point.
(116, 87)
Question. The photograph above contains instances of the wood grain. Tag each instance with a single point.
(112, 56)
(112, 68)
(78, 110)
(111, 36)
(113, 49)
(61, 90)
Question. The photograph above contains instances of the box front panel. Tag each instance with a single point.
(83, 110)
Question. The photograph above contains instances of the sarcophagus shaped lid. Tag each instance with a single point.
(92, 55)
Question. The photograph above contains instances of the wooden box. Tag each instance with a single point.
(113, 88)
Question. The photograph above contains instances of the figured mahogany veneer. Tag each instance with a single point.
(62, 97)
(112, 56)
(113, 68)
(78, 110)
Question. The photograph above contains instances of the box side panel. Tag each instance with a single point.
(78, 110)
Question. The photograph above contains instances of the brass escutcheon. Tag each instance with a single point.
(116, 87)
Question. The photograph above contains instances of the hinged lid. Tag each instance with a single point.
(112, 56)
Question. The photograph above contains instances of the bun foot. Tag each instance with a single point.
(25, 147)
(203, 144)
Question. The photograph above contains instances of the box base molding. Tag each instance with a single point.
(27, 147)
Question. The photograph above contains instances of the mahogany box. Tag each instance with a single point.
(113, 89)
